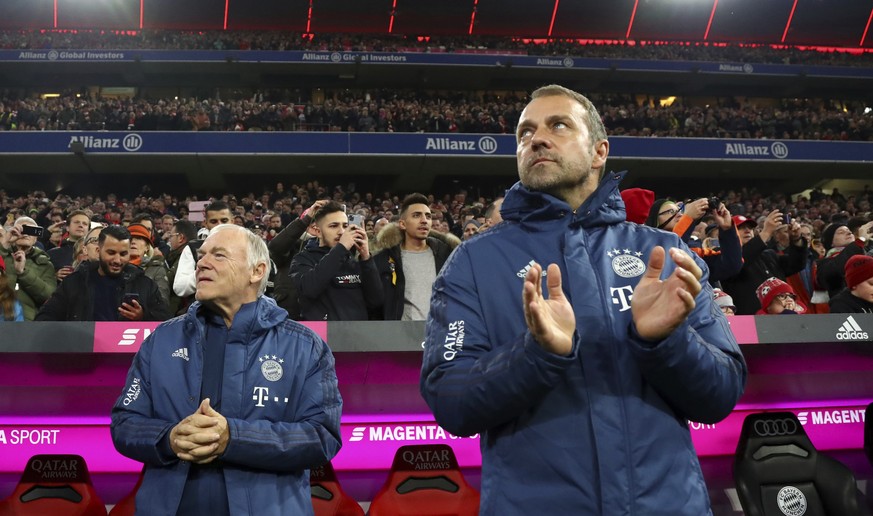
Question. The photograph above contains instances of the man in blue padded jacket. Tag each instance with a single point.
(582, 393)
(231, 404)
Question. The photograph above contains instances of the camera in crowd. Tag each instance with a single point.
(714, 203)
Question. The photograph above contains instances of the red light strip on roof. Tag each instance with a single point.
(864, 36)
(554, 13)
(56, 14)
(141, 2)
(631, 23)
(226, 6)
(309, 18)
(391, 23)
(790, 16)
(473, 17)
(711, 16)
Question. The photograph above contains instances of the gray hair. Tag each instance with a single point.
(257, 251)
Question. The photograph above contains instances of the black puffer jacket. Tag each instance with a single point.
(74, 298)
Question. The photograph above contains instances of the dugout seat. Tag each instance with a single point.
(425, 480)
(54, 484)
(778, 471)
(328, 498)
(127, 505)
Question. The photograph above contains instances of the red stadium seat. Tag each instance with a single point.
(425, 481)
(127, 505)
(328, 498)
(56, 485)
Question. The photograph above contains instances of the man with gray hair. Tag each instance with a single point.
(231, 404)
(28, 268)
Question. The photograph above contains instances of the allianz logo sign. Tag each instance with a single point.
(485, 144)
(131, 142)
(832, 417)
(776, 150)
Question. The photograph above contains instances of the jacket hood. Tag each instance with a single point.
(391, 236)
(267, 315)
(603, 206)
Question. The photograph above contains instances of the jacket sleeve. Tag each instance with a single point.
(38, 280)
(136, 433)
(472, 384)
(55, 309)
(282, 245)
(794, 259)
(311, 279)
(698, 369)
(184, 284)
(311, 439)
(374, 295)
(158, 309)
(729, 262)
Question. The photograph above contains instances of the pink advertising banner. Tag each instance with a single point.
(744, 329)
(127, 337)
(370, 442)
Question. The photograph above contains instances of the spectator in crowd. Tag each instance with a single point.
(778, 298)
(411, 257)
(637, 204)
(283, 248)
(471, 228)
(492, 214)
(724, 302)
(28, 268)
(78, 224)
(723, 262)
(841, 244)
(338, 280)
(857, 297)
(182, 232)
(142, 254)
(570, 396)
(87, 248)
(10, 306)
(184, 282)
(761, 262)
(109, 290)
(147, 219)
(229, 452)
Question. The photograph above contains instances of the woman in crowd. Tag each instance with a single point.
(143, 255)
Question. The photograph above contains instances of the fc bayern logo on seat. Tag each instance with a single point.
(791, 501)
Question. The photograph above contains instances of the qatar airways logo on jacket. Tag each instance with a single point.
(454, 342)
(348, 279)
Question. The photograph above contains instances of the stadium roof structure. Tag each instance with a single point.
(843, 23)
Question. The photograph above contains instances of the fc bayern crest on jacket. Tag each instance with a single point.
(271, 367)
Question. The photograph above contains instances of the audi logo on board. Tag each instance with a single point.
(775, 427)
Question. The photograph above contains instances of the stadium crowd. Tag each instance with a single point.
(283, 40)
(436, 112)
(802, 244)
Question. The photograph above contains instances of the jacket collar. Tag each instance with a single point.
(603, 206)
(265, 314)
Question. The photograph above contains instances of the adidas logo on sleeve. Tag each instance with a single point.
(850, 330)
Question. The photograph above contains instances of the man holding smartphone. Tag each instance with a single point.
(338, 280)
(28, 267)
(109, 290)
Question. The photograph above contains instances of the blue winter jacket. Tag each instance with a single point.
(279, 395)
(604, 430)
